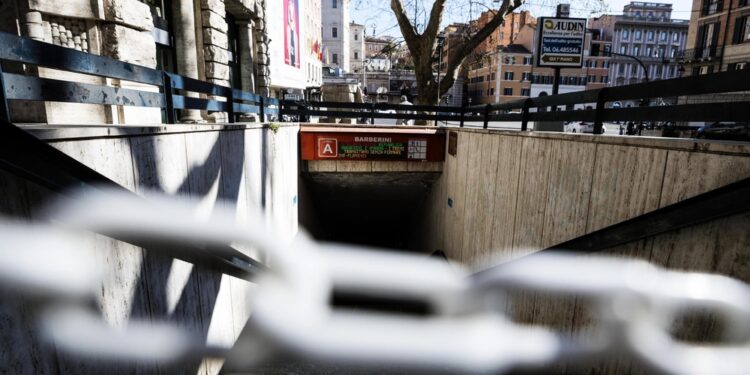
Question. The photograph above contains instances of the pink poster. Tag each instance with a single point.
(291, 33)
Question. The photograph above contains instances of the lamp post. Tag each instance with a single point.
(364, 73)
(440, 43)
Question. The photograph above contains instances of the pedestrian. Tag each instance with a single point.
(630, 129)
(405, 121)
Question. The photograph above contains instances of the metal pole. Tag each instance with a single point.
(262, 107)
(168, 99)
(364, 72)
(4, 109)
(230, 105)
(440, 62)
(556, 85)
(601, 99)
(487, 115)
(463, 113)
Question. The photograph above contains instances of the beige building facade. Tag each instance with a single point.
(718, 38)
(224, 42)
(356, 47)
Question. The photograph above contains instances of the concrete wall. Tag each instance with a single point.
(253, 167)
(514, 193)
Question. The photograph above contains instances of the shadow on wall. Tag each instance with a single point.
(195, 306)
(211, 170)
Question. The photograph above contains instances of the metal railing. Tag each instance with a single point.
(596, 102)
(31, 88)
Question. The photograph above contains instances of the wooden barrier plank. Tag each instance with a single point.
(29, 51)
(20, 87)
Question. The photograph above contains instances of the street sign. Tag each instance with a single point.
(372, 146)
(560, 43)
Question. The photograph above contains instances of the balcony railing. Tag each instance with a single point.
(698, 54)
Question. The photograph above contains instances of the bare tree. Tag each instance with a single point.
(423, 45)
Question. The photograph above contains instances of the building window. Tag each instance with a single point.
(604, 79)
(633, 69)
(737, 66)
(492, 92)
(663, 36)
(675, 37)
(527, 61)
(525, 92)
(526, 76)
(712, 6)
(625, 34)
(356, 36)
(650, 35)
(356, 55)
(592, 79)
(636, 50)
(335, 58)
(649, 51)
(621, 68)
(741, 30)
(335, 3)
(624, 49)
(508, 76)
(707, 39)
(492, 76)
(605, 64)
(508, 91)
(335, 32)
(638, 35)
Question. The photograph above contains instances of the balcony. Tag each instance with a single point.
(698, 54)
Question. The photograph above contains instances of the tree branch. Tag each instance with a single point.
(436, 18)
(407, 29)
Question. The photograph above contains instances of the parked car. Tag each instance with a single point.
(386, 121)
(588, 127)
(735, 131)
(572, 127)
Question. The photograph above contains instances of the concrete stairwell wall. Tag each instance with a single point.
(515, 193)
(253, 167)
(508, 194)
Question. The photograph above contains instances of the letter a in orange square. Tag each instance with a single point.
(328, 148)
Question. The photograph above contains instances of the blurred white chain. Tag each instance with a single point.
(635, 303)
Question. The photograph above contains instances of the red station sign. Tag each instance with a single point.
(376, 146)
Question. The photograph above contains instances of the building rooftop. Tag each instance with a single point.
(648, 5)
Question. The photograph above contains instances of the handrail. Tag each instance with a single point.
(15, 86)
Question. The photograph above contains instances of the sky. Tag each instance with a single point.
(377, 16)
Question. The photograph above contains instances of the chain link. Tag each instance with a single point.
(634, 302)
